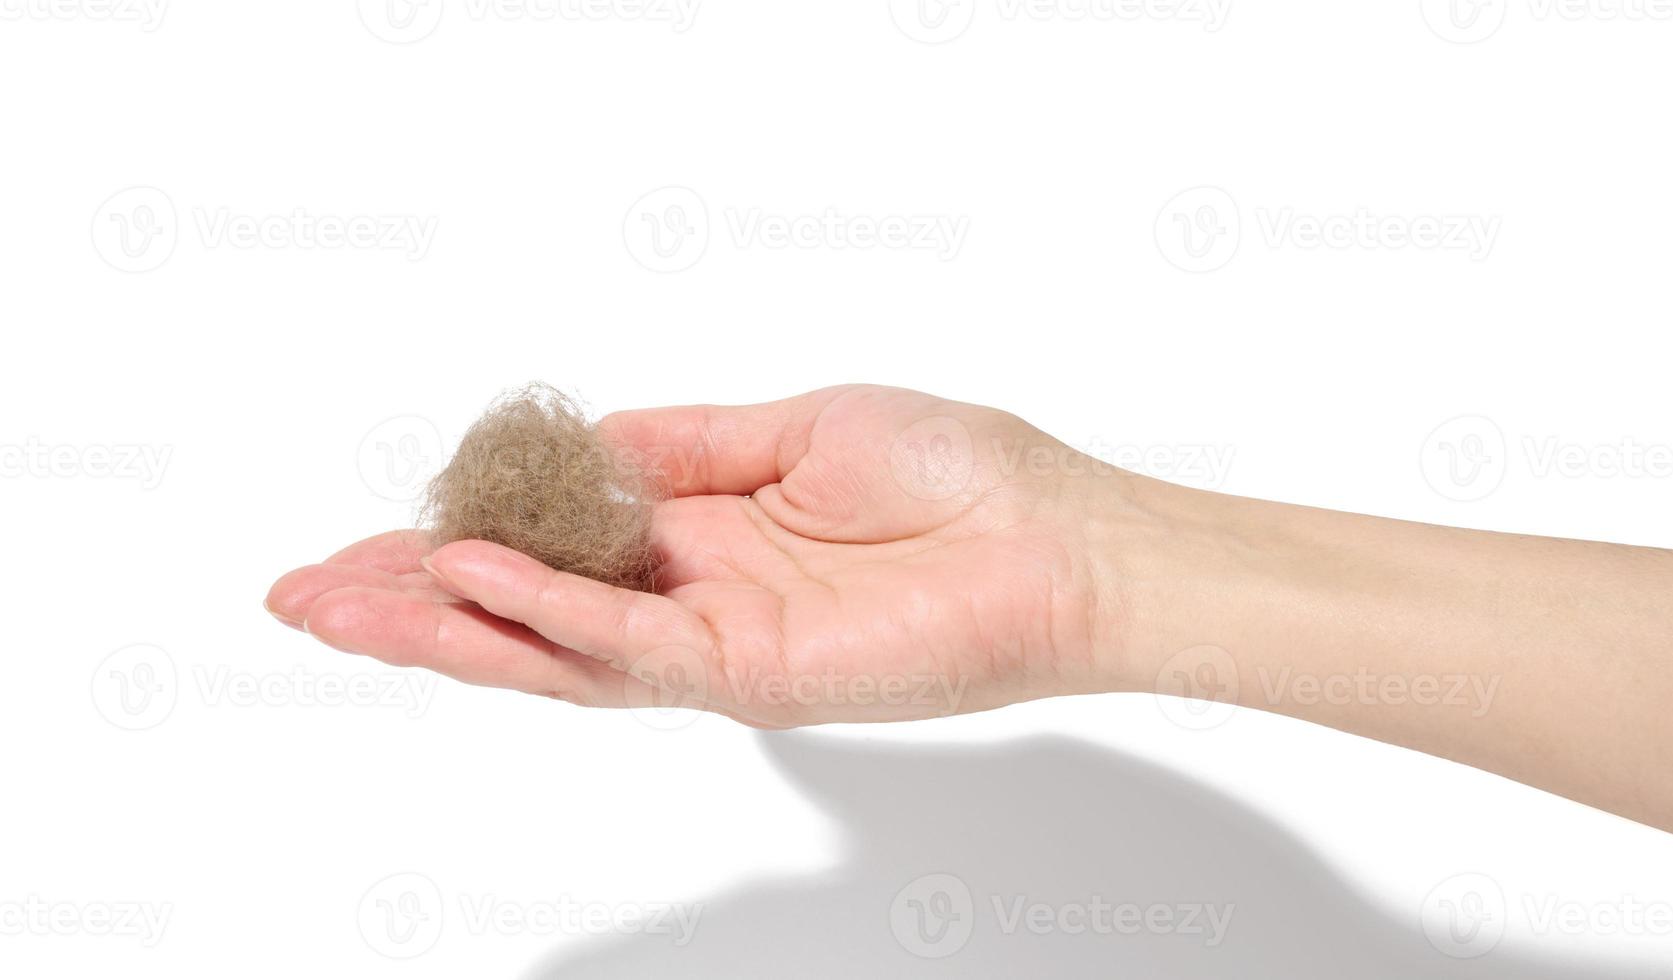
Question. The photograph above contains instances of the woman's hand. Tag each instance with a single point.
(853, 554)
(871, 554)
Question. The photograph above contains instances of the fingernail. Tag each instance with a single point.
(436, 574)
(292, 623)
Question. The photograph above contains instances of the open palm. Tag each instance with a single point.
(853, 554)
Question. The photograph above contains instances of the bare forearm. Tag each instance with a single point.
(1544, 660)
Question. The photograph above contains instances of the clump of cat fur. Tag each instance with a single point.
(533, 475)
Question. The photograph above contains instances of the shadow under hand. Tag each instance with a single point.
(1046, 857)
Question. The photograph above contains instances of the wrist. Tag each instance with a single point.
(1121, 532)
(1175, 569)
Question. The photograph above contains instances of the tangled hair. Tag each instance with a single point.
(532, 474)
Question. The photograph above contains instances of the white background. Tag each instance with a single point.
(1070, 154)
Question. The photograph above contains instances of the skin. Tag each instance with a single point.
(875, 554)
